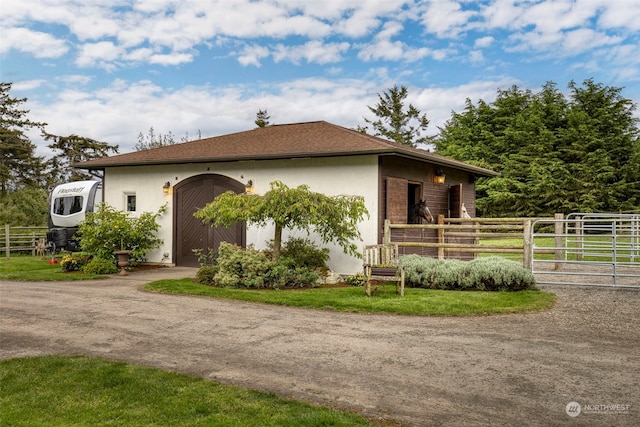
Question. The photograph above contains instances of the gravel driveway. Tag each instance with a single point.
(418, 371)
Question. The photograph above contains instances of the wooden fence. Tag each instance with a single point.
(21, 239)
(461, 237)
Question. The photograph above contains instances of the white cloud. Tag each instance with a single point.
(383, 48)
(27, 85)
(439, 102)
(171, 59)
(501, 14)
(483, 42)
(117, 113)
(76, 79)
(617, 16)
(252, 55)
(406, 34)
(476, 56)
(312, 52)
(584, 39)
(95, 24)
(139, 55)
(39, 44)
(446, 18)
(101, 53)
(557, 15)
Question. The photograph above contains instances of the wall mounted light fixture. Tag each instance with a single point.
(166, 187)
(249, 187)
(439, 177)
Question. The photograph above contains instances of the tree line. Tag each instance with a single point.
(578, 152)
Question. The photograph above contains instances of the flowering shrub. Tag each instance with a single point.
(108, 230)
(483, 274)
(73, 262)
(358, 279)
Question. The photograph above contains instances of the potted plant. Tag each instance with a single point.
(108, 232)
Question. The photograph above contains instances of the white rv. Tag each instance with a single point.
(68, 206)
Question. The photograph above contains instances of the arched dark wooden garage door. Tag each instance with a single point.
(189, 232)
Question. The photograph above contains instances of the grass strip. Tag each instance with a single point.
(35, 269)
(79, 390)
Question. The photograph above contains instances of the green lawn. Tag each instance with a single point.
(34, 269)
(419, 302)
(80, 391)
(594, 248)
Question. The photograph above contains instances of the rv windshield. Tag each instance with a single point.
(67, 205)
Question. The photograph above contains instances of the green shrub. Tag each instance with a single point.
(419, 270)
(498, 274)
(241, 267)
(488, 274)
(74, 261)
(100, 266)
(356, 280)
(304, 253)
(206, 274)
(108, 230)
(249, 268)
(286, 274)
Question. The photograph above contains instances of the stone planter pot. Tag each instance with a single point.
(123, 261)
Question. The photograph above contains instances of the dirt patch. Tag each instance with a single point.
(418, 371)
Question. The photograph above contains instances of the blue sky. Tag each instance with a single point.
(109, 70)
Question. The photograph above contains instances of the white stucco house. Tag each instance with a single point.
(328, 158)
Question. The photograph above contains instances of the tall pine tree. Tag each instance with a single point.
(19, 165)
(74, 149)
(396, 123)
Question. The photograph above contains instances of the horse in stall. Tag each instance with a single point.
(418, 212)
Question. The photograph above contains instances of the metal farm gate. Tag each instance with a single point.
(597, 249)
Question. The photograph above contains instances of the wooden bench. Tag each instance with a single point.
(381, 262)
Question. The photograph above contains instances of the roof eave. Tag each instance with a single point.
(441, 161)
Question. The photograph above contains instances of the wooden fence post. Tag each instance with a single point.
(6, 241)
(441, 237)
(527, 250)
(386, 236)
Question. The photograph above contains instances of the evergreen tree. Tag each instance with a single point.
(19, 165)
(74, 149)
(602, 148)
(396, 123)
(554, 154)
(262, 118)
(27, 206)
